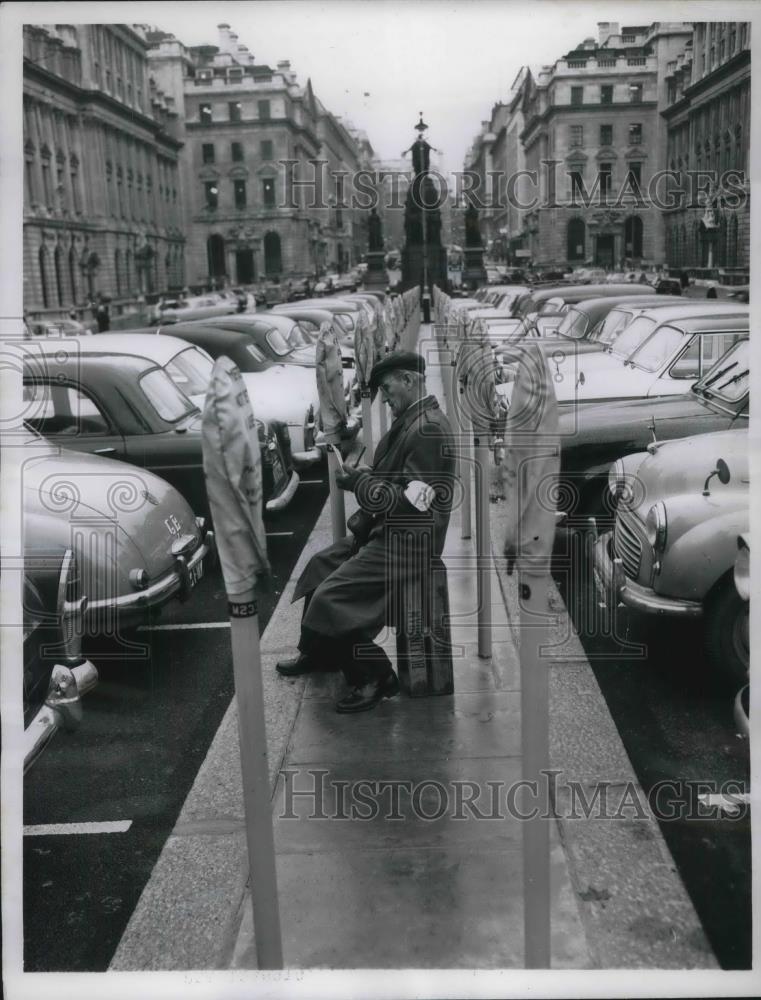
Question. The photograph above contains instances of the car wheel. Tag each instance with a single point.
(726, 631)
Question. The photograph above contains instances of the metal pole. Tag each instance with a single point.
(337, 509)
(247, 669)
(463, 422)
(367, 426)
(483, 540)
(535, 633)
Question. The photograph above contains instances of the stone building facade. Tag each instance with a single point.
(264, 165)
(102, 193)
(707, 118)
(593, 135)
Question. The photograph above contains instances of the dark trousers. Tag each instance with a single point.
(360, 659)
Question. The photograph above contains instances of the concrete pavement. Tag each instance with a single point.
(410, 891)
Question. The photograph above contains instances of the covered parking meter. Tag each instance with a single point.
(330, 388)
(364, 359)
(233, 472)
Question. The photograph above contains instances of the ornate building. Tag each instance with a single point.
(102, 195)
(594, 136)
(266, 168)
(707, 116)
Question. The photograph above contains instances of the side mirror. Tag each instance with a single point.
(722, 471)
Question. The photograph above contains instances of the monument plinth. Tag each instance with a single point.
(376, 278)
(473, 271)
(424, 259)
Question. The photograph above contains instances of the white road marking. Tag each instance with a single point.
(59, 829)
(279, 534)
(182, 627)
(310, 482)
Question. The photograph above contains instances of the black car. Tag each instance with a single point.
(669, 286)
(595, 435)
(56, 675)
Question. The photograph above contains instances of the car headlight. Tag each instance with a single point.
(742, 571)
(656, 526)
(616, 479)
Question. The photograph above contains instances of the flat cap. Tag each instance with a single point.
(407, 361)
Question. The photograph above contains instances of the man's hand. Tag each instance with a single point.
(347, 479)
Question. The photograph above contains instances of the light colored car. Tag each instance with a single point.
(680, 507)
(284, 394)
(195, 307)
(660, 353)
(136, 540)
(57, 328)
(742, 586)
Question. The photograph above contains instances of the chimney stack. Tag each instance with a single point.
(606, 29)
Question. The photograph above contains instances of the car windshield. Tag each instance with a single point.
(551, 306)
(633, 336)
(190, 370)
(660, 348)
(729, 378)
(168, 401)
(611, 326)
(574, 324)
(256, 353)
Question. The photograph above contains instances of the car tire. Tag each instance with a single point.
(726, 631)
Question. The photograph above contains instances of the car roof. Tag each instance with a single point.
(158, 348)
(203, 330)
(611, 302)
(711, 324)
(591, 291)
(698, 310)
(263, 320)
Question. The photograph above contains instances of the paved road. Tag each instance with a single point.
(146, 730)
(675, 720)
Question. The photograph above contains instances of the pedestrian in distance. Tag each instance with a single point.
(353, 587)
(102, 315)
(711, 293)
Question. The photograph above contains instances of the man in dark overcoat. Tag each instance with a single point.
(353, 587)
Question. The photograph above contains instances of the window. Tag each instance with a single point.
(240, 193)
(263, 109)
(635, 134)
(606, 176)
(207, 152)
(234, 111)
(606, 135)
(204, 114)
(268, 192)
(167, 400)
(62, 409)
(236, 151)
(265, 149)
(577, 183)
(212, 194)
(634, 178)
(606, 93)
(635, 92)
(576, 135)
(577, 95)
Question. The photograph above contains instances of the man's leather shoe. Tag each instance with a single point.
(295, 666)
(362, 699)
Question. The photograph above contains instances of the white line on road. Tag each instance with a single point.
(310, 482)
(182, 627)
(58, 829)
(279, 534)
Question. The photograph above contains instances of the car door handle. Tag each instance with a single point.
(104, 451)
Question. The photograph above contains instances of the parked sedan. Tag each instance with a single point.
(672, 551)
(129, 408)
(280, 395)
(194, 307)
(592, 437)
(56, 674)
(136, 541)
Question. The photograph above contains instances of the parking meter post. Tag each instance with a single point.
(249, 695)
(464, 463)
(337, 508)
(534, 634)
(483, 541)
(367, 426)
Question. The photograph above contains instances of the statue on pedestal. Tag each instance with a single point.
(374, 232)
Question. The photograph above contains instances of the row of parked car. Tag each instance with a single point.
(653, 395)
(116, 517)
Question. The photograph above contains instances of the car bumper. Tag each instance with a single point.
(177, 582)
(58, 712)
(283, 499)
(616, 588)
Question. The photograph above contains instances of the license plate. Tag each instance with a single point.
(195, 574)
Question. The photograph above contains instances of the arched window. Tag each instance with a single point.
(128, 271)
(118, 271)
(44, 280)
(73, 273)
(273, 264)
(732, 241)
(58, 270)
(633, 233)
(576, 238)
(215, 252)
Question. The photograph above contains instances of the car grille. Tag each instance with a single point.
(627, 546)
